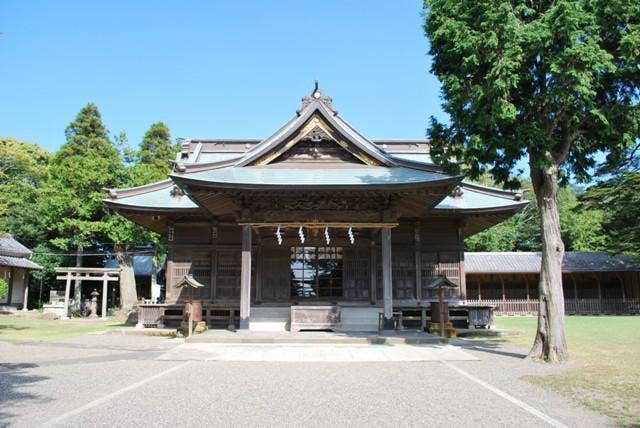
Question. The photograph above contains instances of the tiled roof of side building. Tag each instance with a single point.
(11, 247)
(530, 262)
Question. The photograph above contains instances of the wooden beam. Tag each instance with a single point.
(321, 225)
(245, 278)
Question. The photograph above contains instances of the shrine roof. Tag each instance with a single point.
(324, 176)
(158, 196)
(471, 197)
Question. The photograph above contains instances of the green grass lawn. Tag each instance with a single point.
(20, 327)
(606, 350)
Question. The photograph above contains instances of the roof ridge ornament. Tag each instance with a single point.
(317, 96)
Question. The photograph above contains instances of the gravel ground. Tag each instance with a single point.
(116, 380)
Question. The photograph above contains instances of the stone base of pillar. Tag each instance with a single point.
(244, 323)
(388, 324)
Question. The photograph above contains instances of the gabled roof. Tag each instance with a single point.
(188, 281)
(320, 107)
(530, 262)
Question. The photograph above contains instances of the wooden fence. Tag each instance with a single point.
(571, 306)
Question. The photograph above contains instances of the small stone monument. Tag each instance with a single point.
(94, 304)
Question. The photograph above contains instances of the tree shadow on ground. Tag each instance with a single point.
(490, 346)
(11, 327)
(13, 377)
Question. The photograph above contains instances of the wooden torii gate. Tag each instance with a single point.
(87, 274)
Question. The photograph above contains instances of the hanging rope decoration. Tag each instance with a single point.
(279, 236)
(301, 235)
(350, 234)
(326, 235)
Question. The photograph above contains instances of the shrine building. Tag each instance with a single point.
(316, 215)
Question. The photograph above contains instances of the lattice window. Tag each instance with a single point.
(228, 274)
(356, 275)
(404, 274)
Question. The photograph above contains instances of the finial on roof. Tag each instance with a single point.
(317, 96)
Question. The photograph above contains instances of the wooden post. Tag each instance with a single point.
(502, 285)
(105, 288)
(67, 290)
(441, 299)
(622, 291)
(259, 272)
(373, 272)
(479, 290)
(11, 275)
(387, 292)
(245, 278)
(463, 276)
(599, 294)
(25, 282)
(575, 287)
(526, 283)
(418, 260)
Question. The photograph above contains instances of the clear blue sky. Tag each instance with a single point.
(212, 69)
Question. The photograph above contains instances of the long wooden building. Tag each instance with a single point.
(314, 216)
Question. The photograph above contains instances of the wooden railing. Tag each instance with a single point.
(630, 306)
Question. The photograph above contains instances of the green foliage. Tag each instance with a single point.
(619, 200)
(71, 203)
(153, 160)
(555, 81)
(23, 171)
(4, 288)
(581, 227)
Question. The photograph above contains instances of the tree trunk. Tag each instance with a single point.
(128, 293)
(550, 343)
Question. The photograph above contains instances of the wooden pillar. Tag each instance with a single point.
(622, 291)
(526, 284)
(67, 290)
(463, 276)
(373, 272)
(387, 291)
(479, 290)
(259, 272)
(245, 278)
(214, 272)
(105, 288)
(502, 285)
(11, 275)
(25, 282)
(599, 294)
(418, 259)
(575, 287)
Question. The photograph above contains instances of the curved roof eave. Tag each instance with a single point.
(258, 183)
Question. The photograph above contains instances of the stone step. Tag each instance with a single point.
(301, 338)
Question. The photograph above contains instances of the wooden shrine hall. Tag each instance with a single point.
(315, 222)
